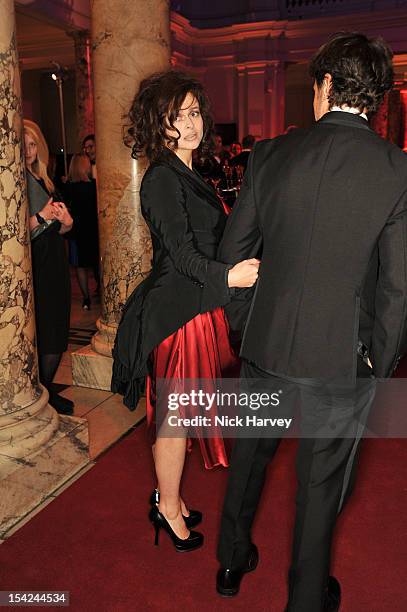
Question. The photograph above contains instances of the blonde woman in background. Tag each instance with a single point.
(49, 219)
(80, 192)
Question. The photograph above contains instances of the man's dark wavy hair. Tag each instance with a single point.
(361, 70)
(154, 110)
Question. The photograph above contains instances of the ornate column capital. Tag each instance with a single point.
(83, 81)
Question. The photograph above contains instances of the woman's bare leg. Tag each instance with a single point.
(184, 509)
(169, 457)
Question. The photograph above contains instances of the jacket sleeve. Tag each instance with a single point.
(390, 323)
(163, 205)
(242, 239)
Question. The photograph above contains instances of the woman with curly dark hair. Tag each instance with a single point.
(173, 326)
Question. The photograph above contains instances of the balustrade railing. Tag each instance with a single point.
(226, 12)
(311, 8)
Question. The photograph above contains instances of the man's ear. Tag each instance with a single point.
(327, 84)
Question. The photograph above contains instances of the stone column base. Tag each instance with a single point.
(91, 369)
(28, 481)
(103, 341)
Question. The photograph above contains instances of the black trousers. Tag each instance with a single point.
(325, 472)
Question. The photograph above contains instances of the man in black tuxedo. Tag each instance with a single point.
(243, 157)
(332, 226)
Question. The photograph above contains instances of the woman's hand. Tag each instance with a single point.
(244, 273)
(61, 213)
(47, 212)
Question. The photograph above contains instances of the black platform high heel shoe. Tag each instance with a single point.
(194, 518)
(193, 541)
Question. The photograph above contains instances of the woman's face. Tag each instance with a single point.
(189, 123)
(30, 149)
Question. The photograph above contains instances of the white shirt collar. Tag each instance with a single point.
(349, 109)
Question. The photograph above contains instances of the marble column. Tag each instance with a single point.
(242, 102)
(388, 121)
(277, 90)
(268, 100)
(83, 84)
(33, 462)
(403, 96)
(129, 42)
(380, 121)
(394, 132)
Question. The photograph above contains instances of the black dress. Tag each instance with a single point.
(186, 221)
(81, 196)
(52, 289)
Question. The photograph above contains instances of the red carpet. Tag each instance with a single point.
(95, 541)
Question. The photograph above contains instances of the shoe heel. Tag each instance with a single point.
(157, 533)
(193, 541)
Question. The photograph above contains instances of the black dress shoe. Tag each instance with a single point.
(194, 518)
(332, 599)
(228, 580)
(332, 596)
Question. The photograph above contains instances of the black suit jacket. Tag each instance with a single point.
(332, 225)
(186, 221)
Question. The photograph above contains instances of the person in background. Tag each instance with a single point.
(243, 157)
(212, 167)
(89, 148)
(49, 219)
(84, 244)
(235, 149)
(52, 167)
(220, 154)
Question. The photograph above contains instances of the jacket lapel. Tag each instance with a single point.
(195, 180)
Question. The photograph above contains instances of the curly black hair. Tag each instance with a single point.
(361, 70)
(154, 110)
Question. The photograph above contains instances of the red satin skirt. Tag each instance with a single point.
(198, 350)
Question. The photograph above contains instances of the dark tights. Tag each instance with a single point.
(48, 367)
(82, 277)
